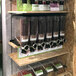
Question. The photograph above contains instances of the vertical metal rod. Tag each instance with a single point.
(52, 27)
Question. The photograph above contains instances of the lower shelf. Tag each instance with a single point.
(62, 74)
(35, 58)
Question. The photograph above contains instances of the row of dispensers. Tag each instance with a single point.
(41, 32)
(48, 69)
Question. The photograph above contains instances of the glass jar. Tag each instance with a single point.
(19, 5)
(28, 6)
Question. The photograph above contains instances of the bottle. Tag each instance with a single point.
(27, 6)
(40, 4)
(44, 5)
(35, 5)
(61, 5)
(19, 5)
(47, 5)
(54, 6)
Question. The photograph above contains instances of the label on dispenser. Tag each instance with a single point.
(39, 72)
(28, 74)
(43, 7)
(49, 69)
(54, 6)
(35, 7)
(58, 66)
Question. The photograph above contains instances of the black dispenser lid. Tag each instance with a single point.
(39, 1)
(61, 2)
(24, 1)
(55, 1)
(47, 1)
(32, 1)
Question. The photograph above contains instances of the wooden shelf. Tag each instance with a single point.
(13, 45)
(35, 58)
(35, 12)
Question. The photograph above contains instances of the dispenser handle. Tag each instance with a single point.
(32, 69)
